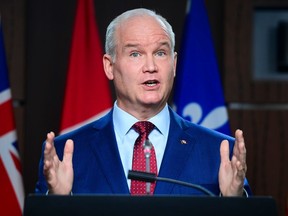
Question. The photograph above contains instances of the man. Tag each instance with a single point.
(95, 158)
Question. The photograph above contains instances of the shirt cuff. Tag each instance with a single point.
(245, 194)
(47, 193)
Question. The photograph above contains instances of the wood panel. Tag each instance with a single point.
(261, 105)
(266, 137)
(238, 57)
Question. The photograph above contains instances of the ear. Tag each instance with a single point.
(175, 62)
(108, 66)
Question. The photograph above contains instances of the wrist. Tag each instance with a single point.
(244, 194)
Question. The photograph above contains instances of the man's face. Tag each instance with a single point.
(144, 68)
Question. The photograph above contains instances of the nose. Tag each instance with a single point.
(150, 65)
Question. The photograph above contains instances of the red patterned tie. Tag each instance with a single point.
(139, 161)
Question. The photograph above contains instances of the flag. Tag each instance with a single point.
(198, 94)
(87, 94)
(11, 185)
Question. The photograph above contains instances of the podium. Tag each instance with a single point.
(157, 205)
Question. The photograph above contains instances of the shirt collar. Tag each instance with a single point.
(161, 121)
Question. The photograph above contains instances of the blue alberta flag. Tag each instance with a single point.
(198, 94)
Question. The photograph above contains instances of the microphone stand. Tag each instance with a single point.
(151, 177)
(147, 152)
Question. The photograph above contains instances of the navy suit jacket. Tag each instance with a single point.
(98, 167)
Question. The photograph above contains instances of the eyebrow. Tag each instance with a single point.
(165, 43)
(131, 45)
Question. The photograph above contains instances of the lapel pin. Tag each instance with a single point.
(184, 142)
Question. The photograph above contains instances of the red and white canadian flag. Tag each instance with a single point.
(87, 94)
(11, 184)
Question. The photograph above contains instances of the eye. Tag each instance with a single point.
(135, 54)
(161, 53)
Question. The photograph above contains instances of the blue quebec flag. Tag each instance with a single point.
(198, 94)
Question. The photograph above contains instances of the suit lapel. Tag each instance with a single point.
(178, 150)
(108, 154)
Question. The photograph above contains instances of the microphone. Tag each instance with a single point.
(151, 177)
(147, 146)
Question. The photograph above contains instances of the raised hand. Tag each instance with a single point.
(58, 174)
(232, 172)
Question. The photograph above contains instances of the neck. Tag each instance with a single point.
(143, 113)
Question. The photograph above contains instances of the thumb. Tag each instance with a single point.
(68, 151)
(224, 151)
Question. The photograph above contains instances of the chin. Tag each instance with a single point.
(152, 100)
(153, 103)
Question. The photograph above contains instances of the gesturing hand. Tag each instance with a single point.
(232, 172)
(58, 174)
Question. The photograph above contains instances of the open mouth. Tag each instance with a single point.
(151, 83)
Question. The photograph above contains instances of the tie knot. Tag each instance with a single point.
(143, 128)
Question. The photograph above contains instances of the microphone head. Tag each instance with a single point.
(141, 176)
(147, 144)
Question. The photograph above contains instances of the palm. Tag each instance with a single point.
(232, 172)
(59, 174)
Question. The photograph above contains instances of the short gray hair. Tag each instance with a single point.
(110, 42)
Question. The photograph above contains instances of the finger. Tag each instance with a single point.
(49, 153)
(241, 172)
(236, 151)
(224, 151)
(68, 151)
(240, 146)
(50, 137)
(234, 162)
(49, 143)
(48, 170)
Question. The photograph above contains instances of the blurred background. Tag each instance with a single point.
(251, 43)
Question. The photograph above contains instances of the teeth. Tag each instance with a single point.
(150, 84)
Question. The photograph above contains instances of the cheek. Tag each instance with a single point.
(171, 75)
(170, 80)
(124, 81)
(128, 75)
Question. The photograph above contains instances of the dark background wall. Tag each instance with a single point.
(37, 38)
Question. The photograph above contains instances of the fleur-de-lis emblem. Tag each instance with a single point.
(213, 120)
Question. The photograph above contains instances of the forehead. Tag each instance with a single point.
(142, 29)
